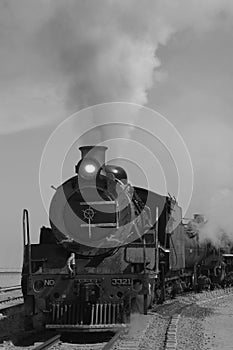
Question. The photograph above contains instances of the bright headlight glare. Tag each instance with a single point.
(90, 168)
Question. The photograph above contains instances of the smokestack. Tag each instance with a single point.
(94, 152)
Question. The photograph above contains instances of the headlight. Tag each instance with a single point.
(88, 169)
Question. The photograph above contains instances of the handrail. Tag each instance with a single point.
(24, 230)
(26, 240)
(157, 240)
(26, 237)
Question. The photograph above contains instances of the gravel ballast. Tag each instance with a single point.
(207, 324)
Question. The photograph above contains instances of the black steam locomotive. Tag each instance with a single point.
(111, 249)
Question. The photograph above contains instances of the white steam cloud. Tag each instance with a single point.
(219, 227)
(60, 56)
(210, 144)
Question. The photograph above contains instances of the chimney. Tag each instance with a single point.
(94, 152)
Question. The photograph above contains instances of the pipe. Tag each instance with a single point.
(144, 254)
(118, 311)
(105, 313)
(73, 314)
(114, 314)
(57, 312)
(69, 314)
(53, 312)
(92, 314)
(78, 313)
(81, 313)
(62, 313)
(65, 314)
(109, 313)
(101, 313)
(97, 313)
(26, 238)
(157, 240)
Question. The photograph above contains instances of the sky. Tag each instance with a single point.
(58, 57)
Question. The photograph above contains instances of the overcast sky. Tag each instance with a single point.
(58, 57)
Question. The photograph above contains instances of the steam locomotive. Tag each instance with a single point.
(111, 249)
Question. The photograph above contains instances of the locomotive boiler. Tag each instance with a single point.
(111, 248)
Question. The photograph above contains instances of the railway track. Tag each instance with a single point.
(48, 343)
(59, 344)
(135, 338)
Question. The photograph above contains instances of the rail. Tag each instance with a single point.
(48, 343)
(113, 340)
(26, 238)
(55, 339)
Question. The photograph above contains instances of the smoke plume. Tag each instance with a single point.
(210, 145)
(60, 56)
(219, 226)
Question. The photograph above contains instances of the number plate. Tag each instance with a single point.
(121, 281)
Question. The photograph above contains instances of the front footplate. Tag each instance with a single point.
(88, 328)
